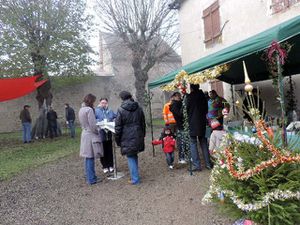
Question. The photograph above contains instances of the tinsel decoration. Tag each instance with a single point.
(186, 134)
(182, 78)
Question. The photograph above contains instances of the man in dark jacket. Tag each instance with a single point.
(70, 119)
(26, 123)
(130, 131)
(197, 109)
(52, 122)
(176, 109)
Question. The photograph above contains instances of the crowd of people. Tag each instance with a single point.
(203, 111)
(130, 131)
(53, 129)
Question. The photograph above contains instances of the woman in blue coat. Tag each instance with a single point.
(102, 112)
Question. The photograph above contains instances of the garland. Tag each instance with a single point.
(267, 199)
(186, 131)
(182, 78)
(270, 56)
(278, 157)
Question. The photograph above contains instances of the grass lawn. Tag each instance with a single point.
(158, 122)
(16, 157)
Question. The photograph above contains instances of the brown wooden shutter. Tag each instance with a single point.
(208, 32)
(216, 26)
(212, 26)
(280, 5)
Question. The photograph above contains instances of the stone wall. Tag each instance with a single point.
(108, 87)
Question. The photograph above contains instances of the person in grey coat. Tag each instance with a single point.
(90, 144)
(130, 131)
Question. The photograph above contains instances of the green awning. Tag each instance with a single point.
(249, 50)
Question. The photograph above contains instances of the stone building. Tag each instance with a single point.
(208, 26)
(115, 59)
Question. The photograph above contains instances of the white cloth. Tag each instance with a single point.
(215, 139)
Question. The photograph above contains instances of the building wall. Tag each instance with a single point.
(241, 20)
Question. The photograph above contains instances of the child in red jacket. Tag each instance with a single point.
(168, 143)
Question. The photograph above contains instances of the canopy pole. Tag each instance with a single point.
(232, 99)
(281, 96)
(151, 122)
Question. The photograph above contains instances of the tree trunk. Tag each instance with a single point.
(141, 78)
(44, 98)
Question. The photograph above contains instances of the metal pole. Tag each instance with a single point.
(233, 101)
(151, 123)
(114, 155)
(281, 96)
(116, 174)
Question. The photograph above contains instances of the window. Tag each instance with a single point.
(217, 86)
(281, 5)
(212, 27)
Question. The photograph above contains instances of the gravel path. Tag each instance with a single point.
(57, 194)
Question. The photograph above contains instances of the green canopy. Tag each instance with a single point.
(249, 50)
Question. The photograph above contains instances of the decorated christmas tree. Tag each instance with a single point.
(257, 175)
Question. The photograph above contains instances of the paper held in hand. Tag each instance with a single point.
(106, 125)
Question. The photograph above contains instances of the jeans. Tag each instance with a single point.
(133, 169)
(90, 171)
(170, 158)
(195, 153)
(26, 132)
(52, 127)
(72, 128)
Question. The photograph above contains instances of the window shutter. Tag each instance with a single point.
(208, 32)
(218, 87)
(212, 25)
(280, 5)
(216, 26)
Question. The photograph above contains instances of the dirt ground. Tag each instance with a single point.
(57, 194)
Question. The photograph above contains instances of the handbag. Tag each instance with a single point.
(214, 123)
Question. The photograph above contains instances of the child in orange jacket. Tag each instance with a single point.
(168, 143)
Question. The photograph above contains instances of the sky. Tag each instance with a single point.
(94, 39)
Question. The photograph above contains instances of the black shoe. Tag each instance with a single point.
(194, 169)
(208, 167)
(97, 181)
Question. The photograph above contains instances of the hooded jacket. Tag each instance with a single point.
(197, 109)
(130, 128)
(168, 143)
(176, 109)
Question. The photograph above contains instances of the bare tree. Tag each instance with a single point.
(145, 26)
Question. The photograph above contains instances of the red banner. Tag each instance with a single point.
(11, 88)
